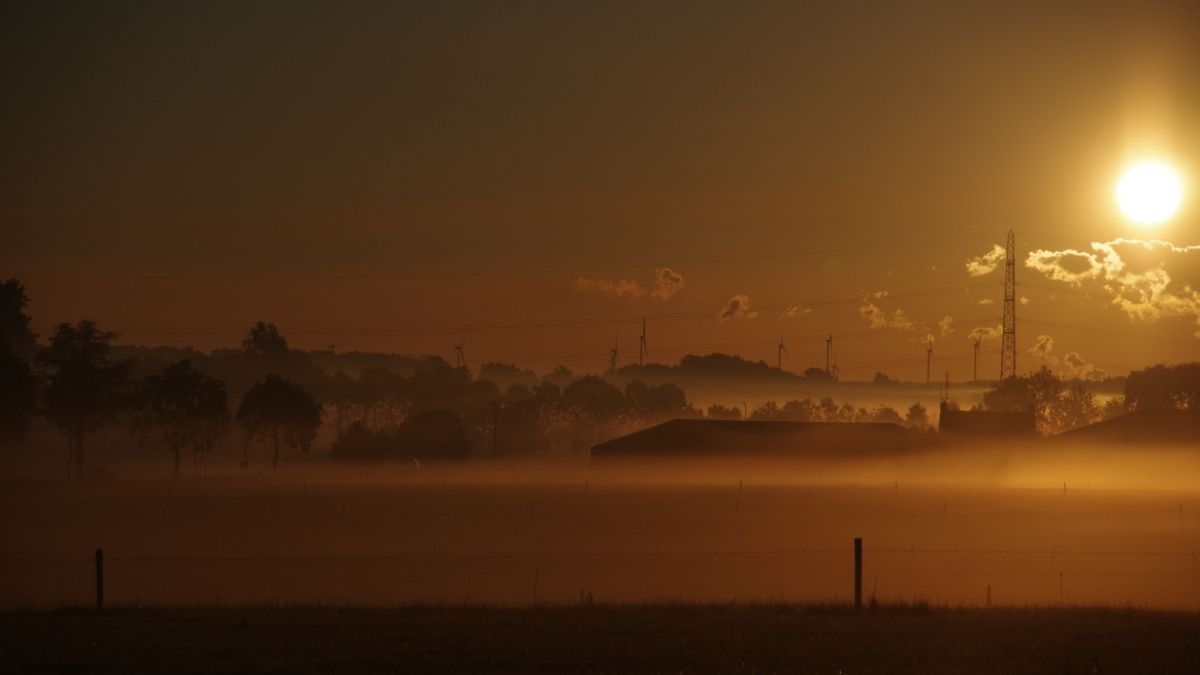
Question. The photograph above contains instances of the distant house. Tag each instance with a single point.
(1141, 426)
(986, 423)
(709, 437)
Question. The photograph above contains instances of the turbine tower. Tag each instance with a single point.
(1008, 346)
(929, 362)
(612, 358)
(642, 344)
(975, 365)
(828, 353)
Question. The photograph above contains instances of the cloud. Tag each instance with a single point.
(881, 319)
(738, 306)
(615, 288)
(984, 333)
(1145, 279)
(1077, 366)
(1042, 346)
(794, 311)
(986, 263)
(667, 283)
(946, 325)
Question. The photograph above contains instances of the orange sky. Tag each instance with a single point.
(362, 176)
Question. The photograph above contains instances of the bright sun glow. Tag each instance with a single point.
(1149, 193)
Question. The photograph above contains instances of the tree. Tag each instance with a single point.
(1113, 407)
(1039, 392)
(282, 412)
(1078, 406)
(1160, 387)
(18, 394)
(798, 411)
(917, 417)
(717, 411)
(887, 414)
(15, 335)
(766, 411)
(86, 390)
(817, 375)
(264, 340)
(594, 396)
(187, 406)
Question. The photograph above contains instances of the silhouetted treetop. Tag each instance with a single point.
(16, 337)
(86, 390)
(280, 411)
(1162, 387)
(264, 340)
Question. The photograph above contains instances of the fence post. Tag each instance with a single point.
(858, 573)
(99, 579)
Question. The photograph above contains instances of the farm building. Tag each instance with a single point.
(986, 423)
(733, 437)
(1141, 426)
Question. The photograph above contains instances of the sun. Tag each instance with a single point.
(1149, 193)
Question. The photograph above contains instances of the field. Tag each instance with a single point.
(520, 534)
(646, 638)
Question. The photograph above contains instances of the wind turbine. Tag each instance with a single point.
(612, 357)
(642, 344)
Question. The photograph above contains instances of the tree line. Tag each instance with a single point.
(373, 406)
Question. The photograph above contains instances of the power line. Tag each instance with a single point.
(154, 276)
(536, 324)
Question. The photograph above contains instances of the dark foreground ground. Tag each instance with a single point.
(634, 638)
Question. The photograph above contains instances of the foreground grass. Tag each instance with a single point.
(632, 638)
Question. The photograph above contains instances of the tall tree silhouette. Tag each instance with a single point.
(187, 406)
(280, 411)
(18, 385)
(86, 389)
(18, 391)
(264, 340)
(15, 334)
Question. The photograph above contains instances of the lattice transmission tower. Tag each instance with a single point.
(1008, 344)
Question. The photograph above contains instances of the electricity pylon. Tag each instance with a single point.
(929, 362)
(780, 350)
(1008, 345)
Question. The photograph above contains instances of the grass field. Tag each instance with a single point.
(511, 538)
(645, 638)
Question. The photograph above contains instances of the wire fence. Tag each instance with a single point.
(950, 575)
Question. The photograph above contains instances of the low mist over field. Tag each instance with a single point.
(600, 337)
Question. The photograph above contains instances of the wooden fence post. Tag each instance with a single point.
(858, 573)
(99, 579)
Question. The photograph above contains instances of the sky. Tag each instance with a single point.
(531, 179)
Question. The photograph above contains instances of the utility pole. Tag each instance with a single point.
(975, 366)
(929, 362)
(1008, 346)
(642, 344)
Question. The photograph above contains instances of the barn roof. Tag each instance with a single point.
(1142, 426)
(733, 437)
